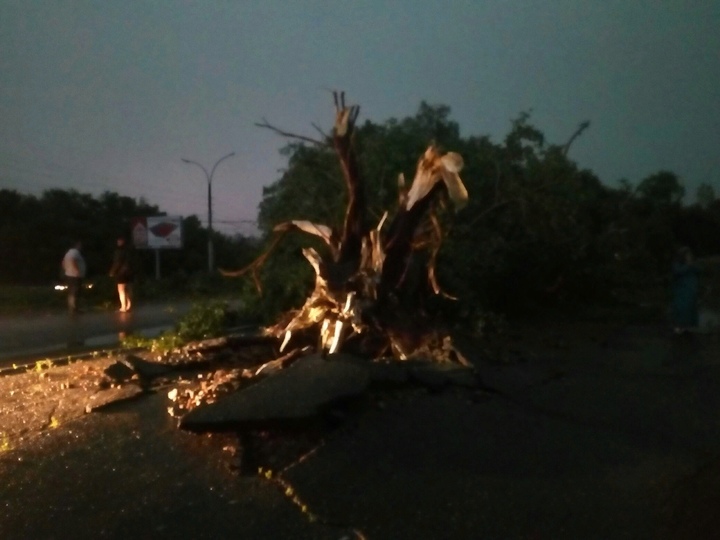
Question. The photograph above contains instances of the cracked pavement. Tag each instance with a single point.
(591, 431)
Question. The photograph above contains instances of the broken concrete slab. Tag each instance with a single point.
(145, 368)
(387, 373)
(515, 379)
(436, 376)
(429, 373)
(206, 345)
(119, 371)
(230, 341)
(298, 392)
(112, 395)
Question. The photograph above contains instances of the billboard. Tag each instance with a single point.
(157, 232)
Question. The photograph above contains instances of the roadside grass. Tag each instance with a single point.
(102, 296)
(205, 320)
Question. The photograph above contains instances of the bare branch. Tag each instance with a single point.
(264, 124)
(257, 264)
(582, 127)
(324, 135)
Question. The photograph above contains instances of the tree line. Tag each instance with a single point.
(538, 229)
(36, 231)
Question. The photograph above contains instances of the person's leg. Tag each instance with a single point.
(73, 285)
(122, 296)
(78, 293)
(128, 296)
(71, 302)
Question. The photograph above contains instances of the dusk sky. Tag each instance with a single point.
(111, 94)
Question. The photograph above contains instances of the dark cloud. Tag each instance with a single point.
(110, 95)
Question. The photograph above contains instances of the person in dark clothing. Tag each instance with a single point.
(685, 290)
(123, 271)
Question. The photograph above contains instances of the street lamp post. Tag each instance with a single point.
(209, 177)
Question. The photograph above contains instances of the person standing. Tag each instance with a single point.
(123, 271)
(73, 266)
(685, 290)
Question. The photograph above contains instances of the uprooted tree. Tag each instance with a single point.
(367, 294)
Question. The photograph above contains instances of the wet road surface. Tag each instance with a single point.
(588, 442)
(60, 333)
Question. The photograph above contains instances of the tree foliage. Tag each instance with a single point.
(538, 229)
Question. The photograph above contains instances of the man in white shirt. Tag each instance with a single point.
(74, 269)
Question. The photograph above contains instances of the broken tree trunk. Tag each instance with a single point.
(359, 289)
(354, 226)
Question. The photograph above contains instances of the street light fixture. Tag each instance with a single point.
(209, 176)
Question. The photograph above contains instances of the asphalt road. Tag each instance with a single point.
(59, 333)
(590, 433)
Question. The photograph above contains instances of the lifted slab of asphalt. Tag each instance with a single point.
(596, 436)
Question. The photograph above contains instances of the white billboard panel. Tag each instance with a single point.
(157, 232)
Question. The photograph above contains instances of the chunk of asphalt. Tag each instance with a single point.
(109, 396)
(119, 371)
(145, 368)
(297, 393)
